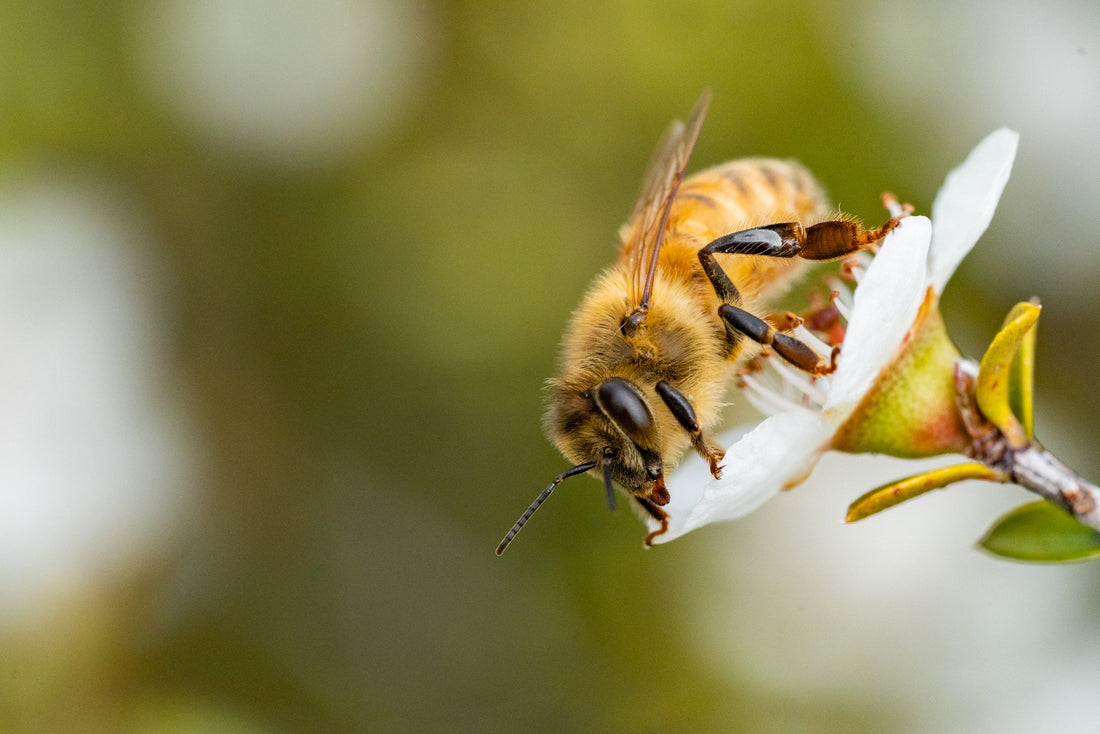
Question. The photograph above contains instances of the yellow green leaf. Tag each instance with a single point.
(994, 375)
(894, 493)
(1022, 378)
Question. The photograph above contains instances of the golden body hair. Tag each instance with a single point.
(682, 339)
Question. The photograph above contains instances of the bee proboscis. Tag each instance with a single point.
(653, 345)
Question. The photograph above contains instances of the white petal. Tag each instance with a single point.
(964, 205)
(886, 304)
(778, 453)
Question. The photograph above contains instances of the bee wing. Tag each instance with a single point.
(645, 229)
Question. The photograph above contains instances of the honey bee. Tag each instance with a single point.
(652, 348)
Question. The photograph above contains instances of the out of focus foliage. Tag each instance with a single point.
(349, 236)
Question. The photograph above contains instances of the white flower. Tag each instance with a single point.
(782, 450)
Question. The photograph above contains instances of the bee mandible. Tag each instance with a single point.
(652, 347)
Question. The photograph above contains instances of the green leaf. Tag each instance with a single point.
(1042, 532)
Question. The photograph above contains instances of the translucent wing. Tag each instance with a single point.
(645, 229)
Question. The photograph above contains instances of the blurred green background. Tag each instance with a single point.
(281, 283)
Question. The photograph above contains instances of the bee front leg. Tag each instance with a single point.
(657, 514)
(680, 407)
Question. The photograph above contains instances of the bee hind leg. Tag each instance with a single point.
(828, 240)
(823, 241)
(839, 237)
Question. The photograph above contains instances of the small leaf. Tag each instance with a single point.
(994, 375)
(1021, 384)
(895, 493)
(1042, 532)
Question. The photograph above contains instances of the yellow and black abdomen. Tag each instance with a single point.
(738, 195)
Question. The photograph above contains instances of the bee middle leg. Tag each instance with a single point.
(795, 351)
(824, 241)
(777, 240)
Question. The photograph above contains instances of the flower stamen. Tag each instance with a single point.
(894, 207)
(764, 399)
(855, 266)
(800, 381)
(841, 301)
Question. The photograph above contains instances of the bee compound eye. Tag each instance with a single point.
(622, 402)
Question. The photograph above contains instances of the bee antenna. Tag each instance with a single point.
(578, 469)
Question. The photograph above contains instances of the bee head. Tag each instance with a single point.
(613, 426)
(609, 429)
(631, 455)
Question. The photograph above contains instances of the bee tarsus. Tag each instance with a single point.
(657, 514)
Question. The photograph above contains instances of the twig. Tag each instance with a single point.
(1031, 466)
(1038, 470)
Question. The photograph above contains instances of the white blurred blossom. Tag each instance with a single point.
(94, 458)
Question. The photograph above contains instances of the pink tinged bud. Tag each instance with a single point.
(911, 410)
